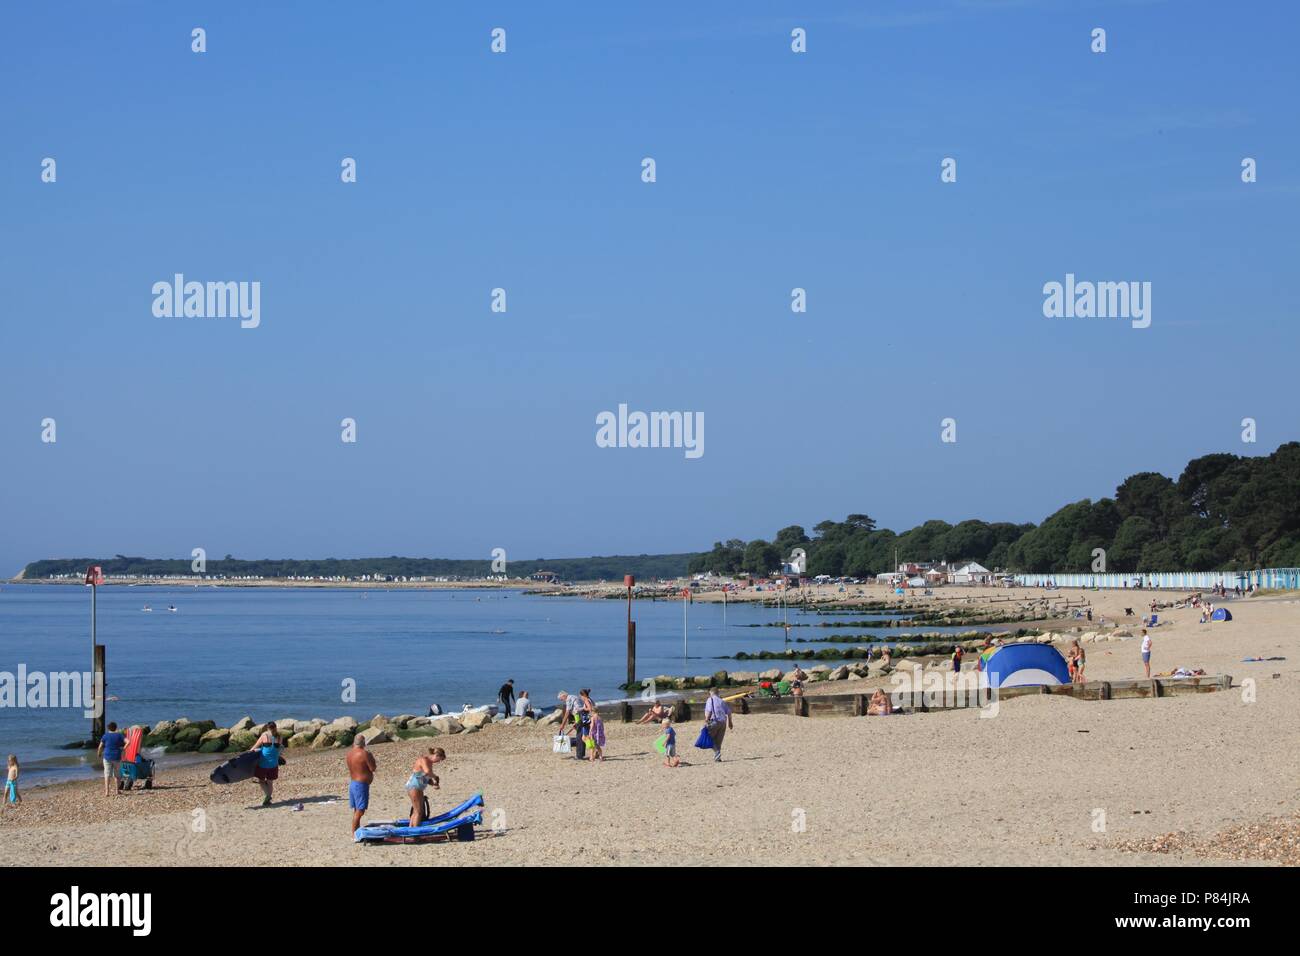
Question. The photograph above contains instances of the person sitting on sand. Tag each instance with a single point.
(11, 781)
(670, 745)
(523, 706)
(421, 776)
(657, 714)
(361, 768)
(879, 705)
(267, 770)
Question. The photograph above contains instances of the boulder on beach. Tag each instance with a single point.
(744, 677)
(346, 723)
(189, 734)
(402, 721)
(287, 726)
(323, 740)
(840, 673)
(243, 723)
(217, 733)
(214, 745)
(446, 725)
(773, 674)
(474, 720)
(373, 735)
(162, 734)
(301, 739)
(378, 721)
(243, 740)
(551, 718)
(703, 680)
(417, 722)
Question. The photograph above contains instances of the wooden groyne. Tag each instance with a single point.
(855, 704)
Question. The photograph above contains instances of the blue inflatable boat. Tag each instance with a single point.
(456, 824)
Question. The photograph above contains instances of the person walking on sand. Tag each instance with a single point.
(110, 751)
(267, 770)
(1146, 652)
(670, 745)
(11, 781)
(506, 697)
(570, 707)
(421, 776)
(717, 718)
(361, 768)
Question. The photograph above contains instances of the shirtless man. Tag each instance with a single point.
(421, 776)
(361, 768)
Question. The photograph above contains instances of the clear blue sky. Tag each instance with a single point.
(476, 430)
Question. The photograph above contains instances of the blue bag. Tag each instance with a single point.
(704, 741)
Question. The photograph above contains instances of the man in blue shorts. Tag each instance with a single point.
(361, 768)
(110, 751)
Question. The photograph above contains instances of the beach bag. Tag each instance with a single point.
(704, 741)
(560, 744)
(661, 744)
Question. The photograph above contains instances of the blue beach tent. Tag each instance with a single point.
(1221, 614)
(1026, 665)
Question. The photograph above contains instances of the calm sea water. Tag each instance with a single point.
(269, 652)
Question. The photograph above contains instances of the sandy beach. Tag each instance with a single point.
(1049, 780)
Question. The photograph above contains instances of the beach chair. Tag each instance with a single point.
(1154, 621)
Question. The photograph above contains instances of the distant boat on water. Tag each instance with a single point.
(171, 607)
(146, 608)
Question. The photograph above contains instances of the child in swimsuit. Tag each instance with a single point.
(11, 783)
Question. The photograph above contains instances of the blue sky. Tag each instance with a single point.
(522, 171)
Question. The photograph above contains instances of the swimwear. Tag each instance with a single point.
(358, 795)
(418, 781)
(1146, 657)
(111, 768)
(11, 791)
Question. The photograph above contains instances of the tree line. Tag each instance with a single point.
(612, 567)
(1224, 512)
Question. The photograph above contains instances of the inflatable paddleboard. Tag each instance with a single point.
(236, 769)
(472, 803)
(134, 737)
(461, 828)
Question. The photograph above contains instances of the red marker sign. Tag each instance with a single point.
(94, 574)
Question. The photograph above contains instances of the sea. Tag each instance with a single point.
(267, 653)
